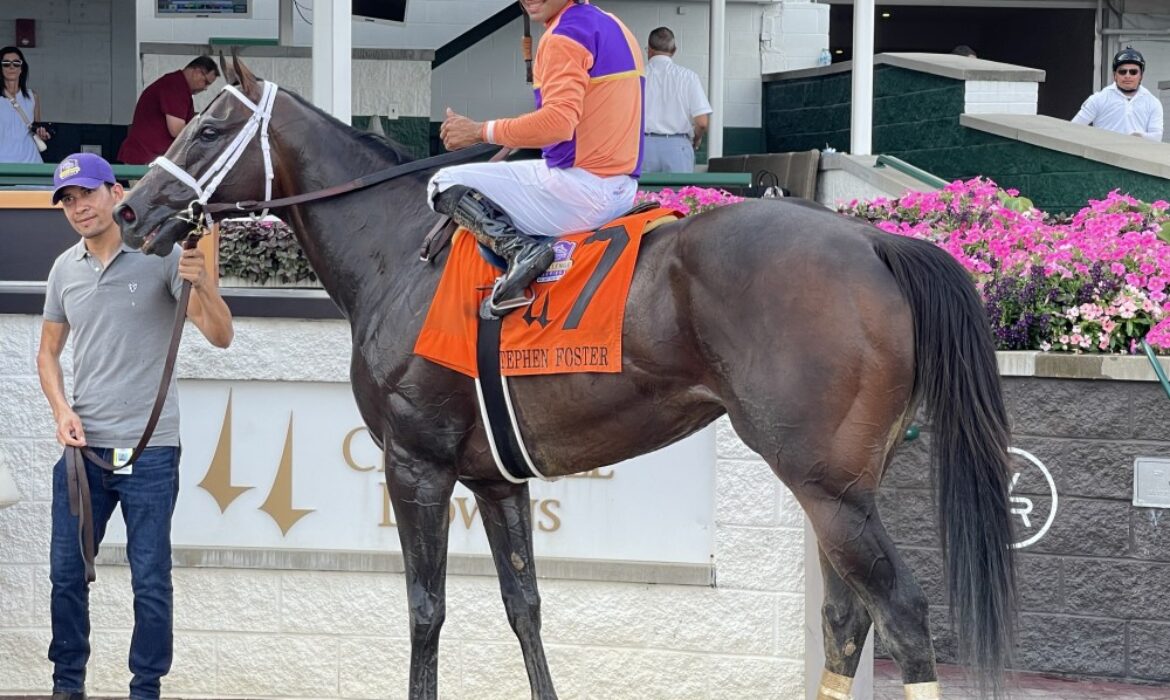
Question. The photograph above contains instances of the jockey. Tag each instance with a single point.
(588, 80)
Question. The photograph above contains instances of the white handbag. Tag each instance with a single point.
(9, 494)
(41, 145)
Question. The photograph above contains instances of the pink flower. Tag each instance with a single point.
(1109, 252)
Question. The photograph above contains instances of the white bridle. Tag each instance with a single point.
(207, 183)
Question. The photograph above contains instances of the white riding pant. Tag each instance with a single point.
(543, 201)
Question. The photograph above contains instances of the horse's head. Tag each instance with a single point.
(216, 158)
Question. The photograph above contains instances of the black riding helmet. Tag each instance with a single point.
(1129, 55)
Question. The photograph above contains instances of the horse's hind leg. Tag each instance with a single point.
(845, 623)
(854, 542)
(507, 518)
(421, 495)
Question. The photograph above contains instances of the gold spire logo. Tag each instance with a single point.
(279, 505)
(218, 479)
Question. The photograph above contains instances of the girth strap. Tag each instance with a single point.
(495, 405)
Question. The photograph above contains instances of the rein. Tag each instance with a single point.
(361, 183)
(201, 208)
(80, 502)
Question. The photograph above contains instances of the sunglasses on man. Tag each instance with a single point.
(1129, 71)
(12, 64)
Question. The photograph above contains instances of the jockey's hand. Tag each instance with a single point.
(459, 132)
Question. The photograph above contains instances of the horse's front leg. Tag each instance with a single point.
(420, 492)
(507, 519)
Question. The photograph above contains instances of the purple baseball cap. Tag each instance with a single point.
(87, 170)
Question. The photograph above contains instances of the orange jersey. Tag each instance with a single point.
(589, 79)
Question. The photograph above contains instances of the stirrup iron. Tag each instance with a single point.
(493, 309)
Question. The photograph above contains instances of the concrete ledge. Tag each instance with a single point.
(1119, 150)
(942, 64)
(1056, 365)
(391, 562)
(246, 51)
(865, 169)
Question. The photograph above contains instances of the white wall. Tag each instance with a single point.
(262, 634)
(487, 80)
(1000, 97)
(77, 67)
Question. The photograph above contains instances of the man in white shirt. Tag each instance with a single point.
(1125, 106)
(676, 109)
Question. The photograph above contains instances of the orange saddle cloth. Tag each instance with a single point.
(573, 325)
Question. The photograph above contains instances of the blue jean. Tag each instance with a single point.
(148, 497)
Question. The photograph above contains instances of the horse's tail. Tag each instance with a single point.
(956, 375)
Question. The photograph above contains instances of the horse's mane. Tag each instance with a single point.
(383, 145)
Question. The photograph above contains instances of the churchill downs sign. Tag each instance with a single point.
(290, 466)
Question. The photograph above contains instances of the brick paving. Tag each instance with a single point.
(888, 686)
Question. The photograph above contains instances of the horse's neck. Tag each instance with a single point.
(361, 241)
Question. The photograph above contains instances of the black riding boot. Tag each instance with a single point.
(527, 256)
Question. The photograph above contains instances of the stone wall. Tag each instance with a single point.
(916, 118)
(1094, 589)
(328, 634)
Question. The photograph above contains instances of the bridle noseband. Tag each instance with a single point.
(207, 183)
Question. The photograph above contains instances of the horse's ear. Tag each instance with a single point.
(244, 77)
(228, 74)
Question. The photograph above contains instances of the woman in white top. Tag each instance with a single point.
(18, 109)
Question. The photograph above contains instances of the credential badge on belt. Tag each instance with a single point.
(121, 460)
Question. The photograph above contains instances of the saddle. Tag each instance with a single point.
(574, 323)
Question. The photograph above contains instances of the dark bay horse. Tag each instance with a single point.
(818, 336)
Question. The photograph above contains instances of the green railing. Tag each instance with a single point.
(884, 161)
(42, 173)
(656, 181)
(1158, 371)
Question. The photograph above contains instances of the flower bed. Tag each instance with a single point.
(1093, 282)
(689, 200)
(262, 251)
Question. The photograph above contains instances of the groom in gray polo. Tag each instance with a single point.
(117, 304)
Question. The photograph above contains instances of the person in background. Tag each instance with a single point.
(163, 109)
(964, 50)
(21, 112)
(677, 111)
(1125, 106)
(118, 304)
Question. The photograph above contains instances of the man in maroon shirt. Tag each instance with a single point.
(163, 109)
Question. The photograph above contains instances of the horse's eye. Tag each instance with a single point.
(208, 133)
